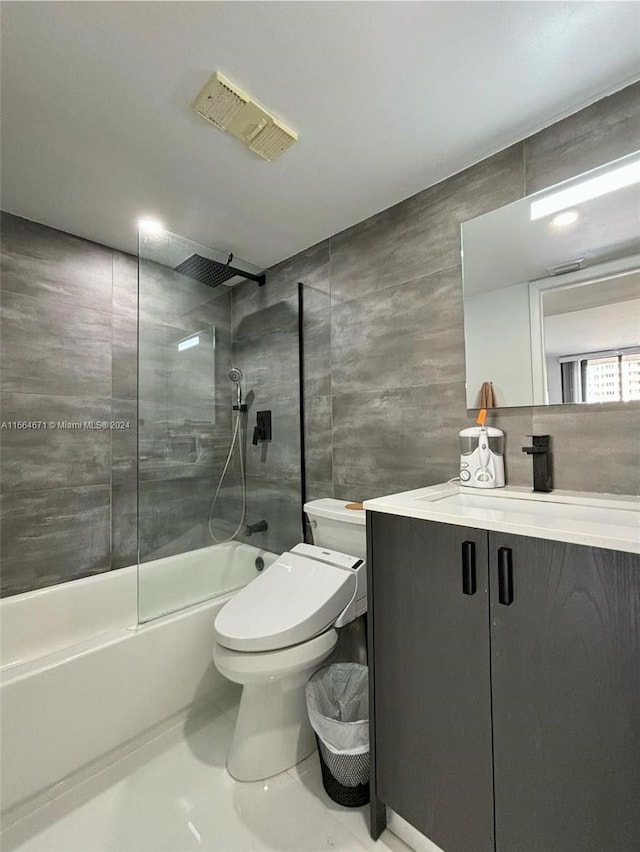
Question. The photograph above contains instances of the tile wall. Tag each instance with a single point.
(264, 324)
(68, 353)
(391, 399)
(384, 374)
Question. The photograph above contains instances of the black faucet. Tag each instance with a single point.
(541, 462)
(260, 526)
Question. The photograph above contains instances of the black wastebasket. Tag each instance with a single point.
(338, 706)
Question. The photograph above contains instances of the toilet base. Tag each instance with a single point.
(272, 730)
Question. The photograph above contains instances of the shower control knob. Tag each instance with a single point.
(465, 476)
(262, 430)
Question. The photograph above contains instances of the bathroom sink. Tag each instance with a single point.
(599, 520)
(541, 506)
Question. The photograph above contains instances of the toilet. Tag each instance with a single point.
(280, 628)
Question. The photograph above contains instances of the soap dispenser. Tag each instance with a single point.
(482, 455)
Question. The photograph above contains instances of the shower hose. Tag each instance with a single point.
(237, 438)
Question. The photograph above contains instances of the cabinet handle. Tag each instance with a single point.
(469, 567)
(505, 576)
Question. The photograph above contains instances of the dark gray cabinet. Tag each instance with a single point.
(565, 672)
(507, 718)
(432, 685)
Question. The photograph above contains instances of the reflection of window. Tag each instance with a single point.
(601, 376)
(630, 372)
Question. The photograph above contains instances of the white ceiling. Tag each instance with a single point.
(598, 329)
(387, 97)
(581, 297)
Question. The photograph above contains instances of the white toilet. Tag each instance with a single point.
(276, 631)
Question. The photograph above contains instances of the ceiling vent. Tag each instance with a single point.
(569, 266)
(229, 108)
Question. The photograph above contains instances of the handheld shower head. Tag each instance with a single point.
(235, 375)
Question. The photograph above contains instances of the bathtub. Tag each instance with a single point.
(81, 678)
(170, 584)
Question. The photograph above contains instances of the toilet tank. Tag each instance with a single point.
(337, 527)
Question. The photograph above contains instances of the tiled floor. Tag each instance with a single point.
(175, 795)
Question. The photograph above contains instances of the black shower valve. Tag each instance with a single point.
(262, 429)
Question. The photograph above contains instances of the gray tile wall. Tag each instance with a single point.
(385, 412)
(384, 374)
(69, 498)
(68, 353)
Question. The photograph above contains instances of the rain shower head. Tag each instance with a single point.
(235, 374)
(212, 273)
(208, 272)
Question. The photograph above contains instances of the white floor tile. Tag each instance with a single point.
(175, 795)
(355, 819)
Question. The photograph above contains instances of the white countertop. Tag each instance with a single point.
(579, 517)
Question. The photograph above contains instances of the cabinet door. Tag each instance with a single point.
(431, 680)
(566, 696)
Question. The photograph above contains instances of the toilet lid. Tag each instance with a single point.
(294, 600)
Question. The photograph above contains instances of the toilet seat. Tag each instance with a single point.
(295, 599)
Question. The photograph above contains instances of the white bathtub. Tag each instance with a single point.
(81, 678)
(170, 584)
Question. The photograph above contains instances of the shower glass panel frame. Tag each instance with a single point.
(314, 306)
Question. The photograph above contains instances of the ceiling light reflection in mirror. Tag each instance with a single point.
(607, 181)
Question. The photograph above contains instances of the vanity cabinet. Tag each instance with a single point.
(505, 676)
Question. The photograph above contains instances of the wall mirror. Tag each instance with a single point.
(551, 287)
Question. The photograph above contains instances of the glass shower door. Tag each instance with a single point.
(185, 426)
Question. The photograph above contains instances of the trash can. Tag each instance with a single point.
(338, 706)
